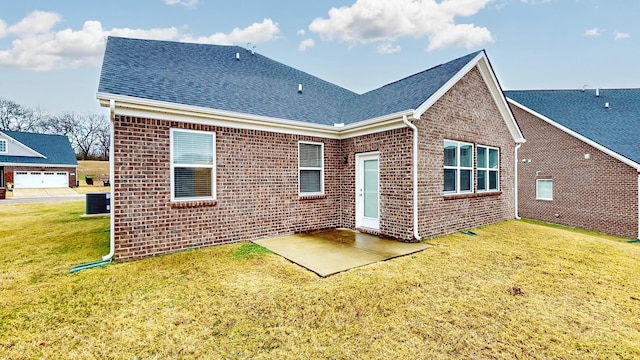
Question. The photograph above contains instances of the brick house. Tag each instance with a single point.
(580, 165)
(217, 144)
(30, 160)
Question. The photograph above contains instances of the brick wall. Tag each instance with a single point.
(395, 147)
(466, 113)
(9, 172)
(257, 180)
(257, 189)
(599, 193)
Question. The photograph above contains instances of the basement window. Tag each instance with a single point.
(193, 165)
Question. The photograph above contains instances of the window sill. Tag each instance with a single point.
(472, 195)
(193, 204)
(312, 197)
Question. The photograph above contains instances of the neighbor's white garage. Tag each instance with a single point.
(40, 179)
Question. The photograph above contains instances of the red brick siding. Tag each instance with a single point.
(467, 113)
(9, 172)
(257, 189)
(395, 147)
(257, 180)
(599, 193)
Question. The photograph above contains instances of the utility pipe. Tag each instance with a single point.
(112, 235)
(414, 129)
(515, 181)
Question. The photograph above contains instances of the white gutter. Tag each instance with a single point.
(416, 233)
(515, 186)
(112, 235)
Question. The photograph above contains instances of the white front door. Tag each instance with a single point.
(368, 190)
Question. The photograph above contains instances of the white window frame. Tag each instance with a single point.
(173, 166)
(6, 146)
(488, 169)
(321, 169)
(538, 197)
(458, 168)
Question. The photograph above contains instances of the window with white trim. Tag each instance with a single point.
(488, 164)
(193, 165)
(311, 168)
(544, 189)
(3, 146)
(458, 167)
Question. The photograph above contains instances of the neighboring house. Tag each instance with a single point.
(216, 144)
(580, 165)
(30, 160)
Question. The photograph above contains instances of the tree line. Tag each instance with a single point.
(88, 133)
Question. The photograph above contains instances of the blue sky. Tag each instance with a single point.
(50, 51)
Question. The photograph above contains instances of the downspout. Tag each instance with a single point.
(515, 182)
(112, 235)
(416, 233)
(639, 204)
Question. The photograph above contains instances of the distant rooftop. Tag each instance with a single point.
(616, 127)
(56, 148)
(232, 78)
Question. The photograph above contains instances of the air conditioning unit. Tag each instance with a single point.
(98, 203)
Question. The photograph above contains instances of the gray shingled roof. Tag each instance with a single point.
(617, 128)
(209, 76)
(56, 148)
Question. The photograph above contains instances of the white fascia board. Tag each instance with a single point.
(480, 61)
(500, 100)
(37, 165)
(16, 142)
(137, 107)
(582, 138)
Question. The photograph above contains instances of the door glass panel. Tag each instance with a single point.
(371, 188)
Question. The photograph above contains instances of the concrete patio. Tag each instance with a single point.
(327, 252)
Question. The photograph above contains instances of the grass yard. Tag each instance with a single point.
(99, 170)
(518, 290)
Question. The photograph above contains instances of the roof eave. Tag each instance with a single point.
(578, 136)
(482, 63)
(133, 106)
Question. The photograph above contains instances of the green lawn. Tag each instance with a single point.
(518, 290)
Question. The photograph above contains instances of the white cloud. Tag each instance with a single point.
(592, 32)
(387, 49)
(306, 44)
(300, 32)
(36, 45)
(265, 31)
(621, 35)
(185, 3)
(369, 21)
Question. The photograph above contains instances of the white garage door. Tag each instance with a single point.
(40, 179)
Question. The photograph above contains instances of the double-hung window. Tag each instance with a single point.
(487, 168)
(193, 165)
(311, 168)
(3, 146)
(458, 167)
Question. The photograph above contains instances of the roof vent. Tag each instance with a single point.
(237, 56)
(300, 88)
(597, 92)
(606, 105)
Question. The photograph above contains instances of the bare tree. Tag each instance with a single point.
(87, 133)
(15, 117)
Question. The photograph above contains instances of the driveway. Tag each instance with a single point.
(51, 194)
(327, 252)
